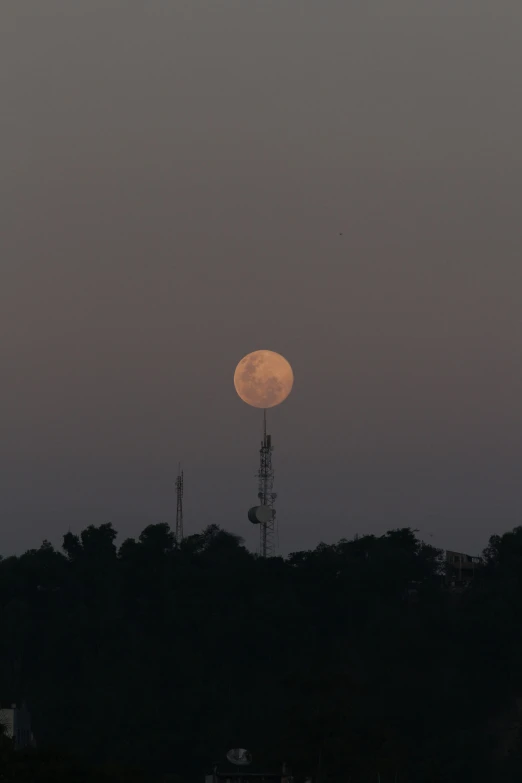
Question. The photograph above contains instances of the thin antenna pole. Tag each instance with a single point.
(179, 505)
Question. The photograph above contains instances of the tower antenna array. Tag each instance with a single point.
(266, 494)
(179, 506)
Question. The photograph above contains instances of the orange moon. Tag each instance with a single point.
(263, 379)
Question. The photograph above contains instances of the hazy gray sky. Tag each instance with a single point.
(174, 178)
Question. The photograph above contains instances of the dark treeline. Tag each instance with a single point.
(349, 661)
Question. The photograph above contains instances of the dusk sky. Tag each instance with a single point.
(185, 181)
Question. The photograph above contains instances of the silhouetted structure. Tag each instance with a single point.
(179, 506)
(460, 568)
(266, 494)
(17, 722)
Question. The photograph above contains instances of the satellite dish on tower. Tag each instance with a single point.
(240, 757)
(260, 515)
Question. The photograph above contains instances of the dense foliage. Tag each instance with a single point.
(350, 661)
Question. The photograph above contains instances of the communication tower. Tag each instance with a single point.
(179, 506)
(264, 514)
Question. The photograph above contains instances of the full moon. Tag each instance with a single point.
(263, 379)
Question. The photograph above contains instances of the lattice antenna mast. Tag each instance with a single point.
(266, 494)
(179, 506)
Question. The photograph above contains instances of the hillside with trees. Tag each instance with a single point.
(149, 661)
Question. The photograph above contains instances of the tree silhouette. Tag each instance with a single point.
(351, 659)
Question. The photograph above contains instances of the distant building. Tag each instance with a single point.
(460, 568)
(17, 722)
